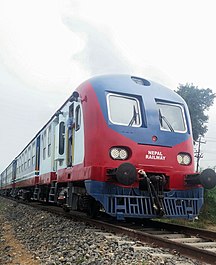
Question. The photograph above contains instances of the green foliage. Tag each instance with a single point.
(208, 213)
(198, 101)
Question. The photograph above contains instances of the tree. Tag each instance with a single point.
(198, 101)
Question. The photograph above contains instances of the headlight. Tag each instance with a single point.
(179, 159)
(123, 154)
(114, 152)
(118, 153)
(184, 159)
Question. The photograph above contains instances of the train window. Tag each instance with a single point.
(25, 159)
(171, 117)
(22, 167)
(29, 156)
(61, 137)
(20, 164)
(33, 154)
(123, 110)
(44, 139)
(49, 141)
(77, 118)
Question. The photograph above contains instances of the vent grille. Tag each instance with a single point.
(140, 206)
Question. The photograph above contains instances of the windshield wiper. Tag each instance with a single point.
(163, 118)
(134, 117)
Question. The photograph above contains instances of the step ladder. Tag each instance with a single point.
(36, 193)
(53, 192)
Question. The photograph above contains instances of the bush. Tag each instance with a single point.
(208, 213)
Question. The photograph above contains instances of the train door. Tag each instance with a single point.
(70, 136)
(79, 134)
(75, 135)
(60, 141)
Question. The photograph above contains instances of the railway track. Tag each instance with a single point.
(195, 243)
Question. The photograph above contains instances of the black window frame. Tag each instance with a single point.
(77, 118)
(61, 138)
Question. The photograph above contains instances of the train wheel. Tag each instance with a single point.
(66, 208)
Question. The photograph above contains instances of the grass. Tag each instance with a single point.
(208, 212)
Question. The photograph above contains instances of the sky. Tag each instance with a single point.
(49, 47)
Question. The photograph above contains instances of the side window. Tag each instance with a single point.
(49, 141)
(25, 159)
(17, 166)
(44, 136)
(29, 156)
(22, 167)
(61, 137)
(71, 110)
(20, 164)
(77, 118)
(33, 154)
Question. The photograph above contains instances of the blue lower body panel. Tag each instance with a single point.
(131, 202)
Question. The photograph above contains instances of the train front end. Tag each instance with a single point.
(142, 162)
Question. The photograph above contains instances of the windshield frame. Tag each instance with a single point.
(126, 97)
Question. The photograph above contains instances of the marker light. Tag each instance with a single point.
(154, 138)
(118, 153)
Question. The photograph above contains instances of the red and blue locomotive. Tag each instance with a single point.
(119, 143)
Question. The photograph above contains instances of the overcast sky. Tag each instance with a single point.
(48, 47)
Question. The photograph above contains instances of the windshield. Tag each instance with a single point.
(124, 110)
(171, 117)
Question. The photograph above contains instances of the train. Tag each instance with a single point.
(120, 144)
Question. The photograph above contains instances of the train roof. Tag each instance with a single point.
(133, 85)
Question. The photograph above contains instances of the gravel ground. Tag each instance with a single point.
(53, 240)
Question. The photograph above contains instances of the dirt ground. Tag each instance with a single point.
(11, 250)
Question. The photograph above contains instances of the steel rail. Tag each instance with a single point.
(184, 249)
